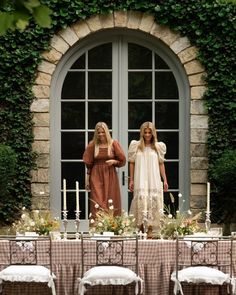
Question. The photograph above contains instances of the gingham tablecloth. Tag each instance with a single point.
(156, 263)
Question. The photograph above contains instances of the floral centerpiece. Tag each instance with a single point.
(37, 221)
(178, 223)
(107, 221)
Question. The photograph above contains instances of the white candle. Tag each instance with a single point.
(208, 197)
(64, 194)
(77, 195)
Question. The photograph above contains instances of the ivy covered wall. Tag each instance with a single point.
(209, 25)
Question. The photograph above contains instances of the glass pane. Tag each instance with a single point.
(172, 173)
(133, 136)
(167, 115)
(165, 86)
(72, 115)
(99, 111)
(72, 172)
(100, 57)
(139, 57)
(138, 113)
(140, 85)
(171, 139)
(159, 63)
(99, 85)
(79, 63)
(72, 145)
(74, 85)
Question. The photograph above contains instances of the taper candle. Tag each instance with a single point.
(64, 194)
(77, 195)
(208, 197)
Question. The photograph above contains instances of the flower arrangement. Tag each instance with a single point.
(37, 221)
(179, 224)
(106, 221)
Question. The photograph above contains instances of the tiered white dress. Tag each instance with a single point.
(148, 187)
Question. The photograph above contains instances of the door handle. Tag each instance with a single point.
(124, 178)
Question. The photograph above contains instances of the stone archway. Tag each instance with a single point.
(184, 51)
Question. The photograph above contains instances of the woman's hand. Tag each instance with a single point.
(165, 186)
(112, 162)
(131, 185)
(87, 183)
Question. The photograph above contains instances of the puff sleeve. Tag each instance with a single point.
(88, 156)
(119, 154)
(132, 150)
(161, 148)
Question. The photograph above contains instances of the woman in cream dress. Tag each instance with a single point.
(146, 158)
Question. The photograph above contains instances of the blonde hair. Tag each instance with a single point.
(104, 126)
(154, 140)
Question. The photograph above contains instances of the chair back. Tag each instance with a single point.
(113, 251)
(28, 250)
(215, 252)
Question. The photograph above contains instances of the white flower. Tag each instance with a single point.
(177, 211)
(100, 224)
(180, 195)
(170, 216)
(32, 223)
(90, 214)
(111, 207)
(110, 201)
(23, 216)
(92, 221)
(189, 212)
(161, 211)
(23, 208)
(96, 206)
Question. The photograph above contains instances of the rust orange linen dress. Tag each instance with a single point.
(104, 183)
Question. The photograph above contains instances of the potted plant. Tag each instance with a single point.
(223, 174)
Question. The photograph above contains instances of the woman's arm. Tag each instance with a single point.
(131, 180)
(163, 175)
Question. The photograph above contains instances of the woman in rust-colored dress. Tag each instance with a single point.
(101, 157)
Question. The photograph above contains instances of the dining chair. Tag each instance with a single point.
(110, 262)
(204, 261)
(27, 267)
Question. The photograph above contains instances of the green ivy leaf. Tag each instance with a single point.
(42, 16)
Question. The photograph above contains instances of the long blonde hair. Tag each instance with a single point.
(104, 126)
(154, 140)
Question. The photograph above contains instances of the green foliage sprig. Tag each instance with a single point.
(209, 25)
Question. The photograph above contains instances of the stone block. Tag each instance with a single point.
(120, 18)
(199, 121)
(107, 20)
(198, 190)
(180, 44)
(40, 105)
(193, 67)
(43, 79)
(59, 44)
(199, 176)
(38, 188)
(81, 29)
(197, 92)
(41, 91)
(46, 67)
(69, 35)
(94, 23)
(43, 161)
(41, 133)
(52, 57)
(199, 135)
(146, 23)
(198, 107)
(41, 119)
(41, 146)
(198, 150)
(134, 19)
(199, 163)
(197, 79)
(188, 54)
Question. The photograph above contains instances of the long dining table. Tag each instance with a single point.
(156, 262)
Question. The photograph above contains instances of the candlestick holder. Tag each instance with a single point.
(77, 222)
(145, 223)
(208, 221)
(65, 222)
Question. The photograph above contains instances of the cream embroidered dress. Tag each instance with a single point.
(148, 187)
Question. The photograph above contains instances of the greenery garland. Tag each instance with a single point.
(209, 25)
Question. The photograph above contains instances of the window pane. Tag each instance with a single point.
(72, 115)
(100, 57)
(79, 63)
(171, 139)
(165, 86)
(172, 173)
(99, 111)
(167, 115)
(140, 85)
(72, 172)
(138, 113)
(74, 85)
(99, 85)
(139, 57)
(72, 145)
(159, 63)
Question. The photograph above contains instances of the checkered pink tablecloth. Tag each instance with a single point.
(156, 262)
